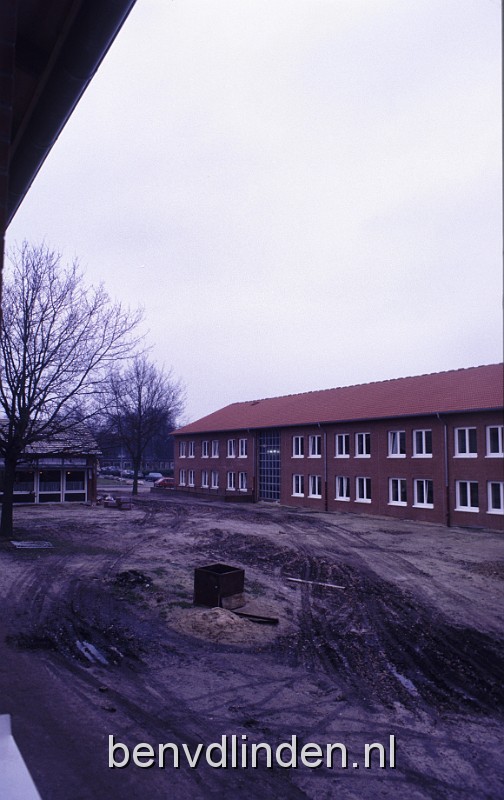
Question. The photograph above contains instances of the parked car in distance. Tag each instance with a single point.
(153, 476)
(165, 483)
(113, 471)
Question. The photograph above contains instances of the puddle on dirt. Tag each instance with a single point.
(91, 652)
(31, 545)
(408, 685)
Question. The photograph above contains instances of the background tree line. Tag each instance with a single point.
(69, 356)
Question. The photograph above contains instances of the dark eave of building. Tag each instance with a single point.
(59, 46)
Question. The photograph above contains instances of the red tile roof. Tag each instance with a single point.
(471, 389)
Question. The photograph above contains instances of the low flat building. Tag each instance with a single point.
(427, 448)
(61, 469)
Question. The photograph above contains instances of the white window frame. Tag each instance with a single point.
(465, 488)
(182, 477)
(215, 448)
(182, 449)
(242, 481)
(363, 445)
(231, 481)
(231, 448)
(397, 444)
(398, 487)
(204, 479)
(315, 486)
(424, 483)
(466, 452)
(190, 477)
(242, 448)
(363, 489)
(190, 448)
(491, 508)
(420, 443)
(499, 453)
(341, 445)
(342, 488)
(298, 485)
(315, 446)
(298, 446)
(214, 479)
(204, 449)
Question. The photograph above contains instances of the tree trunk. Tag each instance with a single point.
(7, 521)
(136, 470)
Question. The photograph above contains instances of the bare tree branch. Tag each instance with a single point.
(59, 341)
(143, 400)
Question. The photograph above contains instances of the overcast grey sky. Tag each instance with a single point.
(302, 193)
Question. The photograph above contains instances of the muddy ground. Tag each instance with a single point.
(99, 637)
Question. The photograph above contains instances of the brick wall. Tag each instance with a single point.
(407, 468)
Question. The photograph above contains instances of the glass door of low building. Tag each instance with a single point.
(269, 465)
(49, 486)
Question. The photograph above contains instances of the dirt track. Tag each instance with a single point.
(103, 639)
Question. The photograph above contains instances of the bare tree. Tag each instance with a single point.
(144, 400)
(58, 341)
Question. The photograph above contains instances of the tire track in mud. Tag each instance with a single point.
(380, 639)
(388, 647)
(64, 603)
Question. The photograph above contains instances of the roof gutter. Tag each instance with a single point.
(94, 28)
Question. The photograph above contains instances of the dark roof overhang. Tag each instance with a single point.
(59, 46)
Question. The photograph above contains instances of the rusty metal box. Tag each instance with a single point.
(216, 581)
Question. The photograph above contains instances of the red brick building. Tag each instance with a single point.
(428, 448)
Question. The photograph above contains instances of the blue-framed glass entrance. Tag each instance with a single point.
(269, 465)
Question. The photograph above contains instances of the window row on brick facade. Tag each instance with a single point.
(467, 492)
(210, 479)
(211, 448)
(465, 444)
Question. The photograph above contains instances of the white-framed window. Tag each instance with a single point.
(423, 492)
(467, 496)
(342, 488)
(182, 477)
(342, 445)
(495, 497)
(298, 447)
(242, 448)
(231, 448)
(315, 484)
(190, 477)
(398, 494)
(204, 479)
(215, 448)
(231, 481)
(422, 443)
(363, 490)
(298, 485)
(215, 479)
(182, 449)
(315, 446)
(495, 441)
(362, 445)
(204, 449)
(397, 444)
(190, 449)
(466, 442)
(242, 480)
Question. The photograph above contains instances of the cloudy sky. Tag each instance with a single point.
(301, 193)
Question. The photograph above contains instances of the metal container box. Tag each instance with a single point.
(216, 581)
